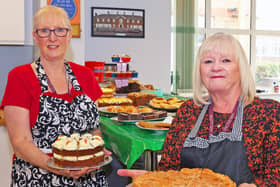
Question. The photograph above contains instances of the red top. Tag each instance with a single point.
(23, 88)
(261, 135)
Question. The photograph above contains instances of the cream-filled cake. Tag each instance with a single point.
(78, 150)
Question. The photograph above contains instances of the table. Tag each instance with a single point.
(129, 142)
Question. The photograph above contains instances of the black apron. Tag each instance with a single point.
(223, 153)
(57, 116)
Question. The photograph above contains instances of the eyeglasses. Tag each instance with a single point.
(59, 32)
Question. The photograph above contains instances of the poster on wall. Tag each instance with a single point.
(72, 7)
(117, 22)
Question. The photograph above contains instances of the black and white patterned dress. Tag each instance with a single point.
(57, 116)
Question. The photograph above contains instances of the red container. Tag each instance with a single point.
(98, 69)
(125, 59)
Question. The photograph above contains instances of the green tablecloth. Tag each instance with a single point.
(128, 141)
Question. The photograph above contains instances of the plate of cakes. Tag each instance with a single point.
(77, 151)
(111, 111)
(169, 105)
(145, 114)
(113, 101)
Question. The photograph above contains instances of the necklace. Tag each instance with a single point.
(228, 122)
(52, 87)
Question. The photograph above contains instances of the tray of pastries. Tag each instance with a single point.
(112, 101)
(196, 177)
(153, 125)
(107, 92)
(170, 104)
(114, 110)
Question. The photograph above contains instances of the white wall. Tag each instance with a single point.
(76, 51)
(150, 55)
(12, 29)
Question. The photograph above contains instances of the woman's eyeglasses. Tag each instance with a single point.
(44, 32)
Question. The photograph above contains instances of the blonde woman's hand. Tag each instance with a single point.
(247, 185)
(130, 172)
(107, 152)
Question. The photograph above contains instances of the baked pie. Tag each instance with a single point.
(129, 109)
(153, 125)
(106, 101)
(196, 177)
(171, 103)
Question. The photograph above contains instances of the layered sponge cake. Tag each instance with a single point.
(78, 150)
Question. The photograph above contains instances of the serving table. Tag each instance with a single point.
(129, 142)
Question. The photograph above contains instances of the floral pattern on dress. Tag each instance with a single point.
(261, 135)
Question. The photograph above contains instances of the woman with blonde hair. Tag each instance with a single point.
(46, 98)
(225, 127)
(201, 95)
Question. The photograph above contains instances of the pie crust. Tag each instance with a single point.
(196, 177)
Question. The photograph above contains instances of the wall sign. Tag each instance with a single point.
(117, 22)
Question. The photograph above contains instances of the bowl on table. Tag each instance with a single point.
(125, 58)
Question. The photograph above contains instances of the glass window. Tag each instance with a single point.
(245, 42)
(267, 57)
(258, 31)
(267, 15)
(200, 12)
(234, 14)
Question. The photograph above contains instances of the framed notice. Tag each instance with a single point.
(72, 7)
(117, 22)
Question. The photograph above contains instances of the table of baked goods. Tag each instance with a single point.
(129, 142)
